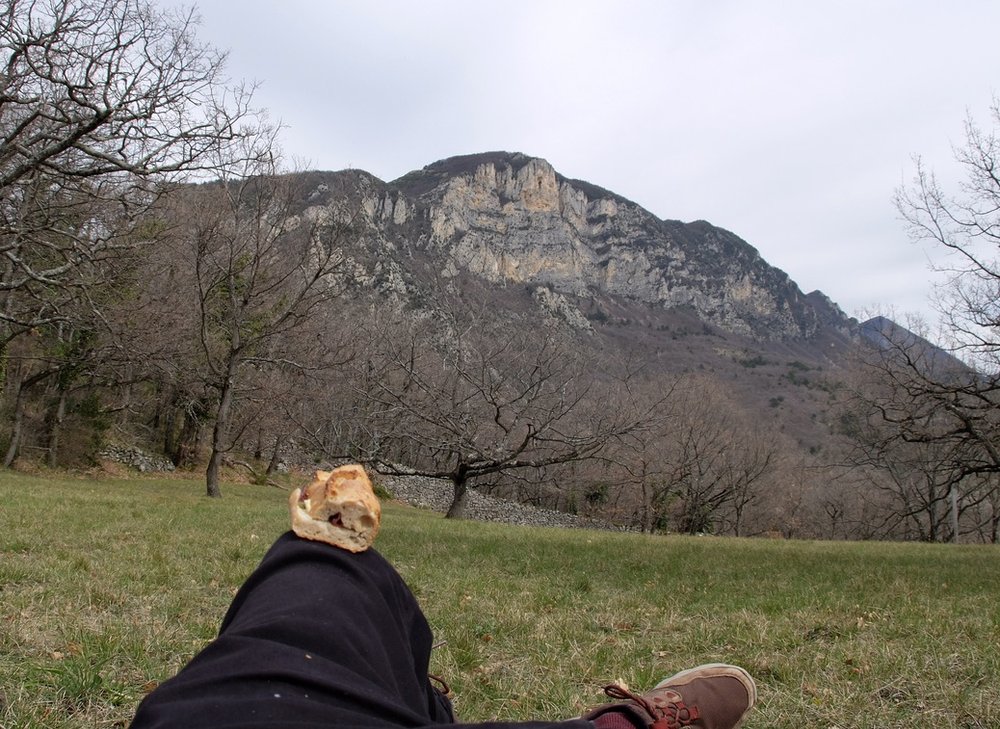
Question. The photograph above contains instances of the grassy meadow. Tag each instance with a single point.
(108, 586)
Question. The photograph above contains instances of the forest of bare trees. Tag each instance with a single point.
(924, 422)
(159, 287)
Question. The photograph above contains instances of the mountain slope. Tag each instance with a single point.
(511, 219)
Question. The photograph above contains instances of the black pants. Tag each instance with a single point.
(316, 637)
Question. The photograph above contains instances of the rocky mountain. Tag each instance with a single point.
(510, 233)
(580, 252)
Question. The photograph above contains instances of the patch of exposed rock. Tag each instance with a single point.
(556, 305)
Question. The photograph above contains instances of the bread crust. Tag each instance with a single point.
(338, 507)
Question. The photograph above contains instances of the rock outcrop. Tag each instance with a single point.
(511, 219)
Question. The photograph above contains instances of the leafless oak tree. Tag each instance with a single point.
(256, 280)
(922, 425)
(699, 465)
(470, 396)
(947, 409)
(103, 107)
(102, 104)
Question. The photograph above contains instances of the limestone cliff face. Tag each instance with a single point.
(512, 219)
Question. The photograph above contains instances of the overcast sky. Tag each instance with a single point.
(788, 124)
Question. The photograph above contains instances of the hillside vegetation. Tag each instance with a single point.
(108, 587)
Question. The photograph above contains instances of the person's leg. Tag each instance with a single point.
(316, 637)
(320, 637)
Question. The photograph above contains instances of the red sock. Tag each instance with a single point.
(616, 720)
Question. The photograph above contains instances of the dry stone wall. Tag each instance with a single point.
(135, 458)
(436, 495)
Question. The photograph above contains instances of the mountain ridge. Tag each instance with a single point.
(509, 218)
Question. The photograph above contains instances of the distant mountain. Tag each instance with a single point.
(510, 232)
(885, 334)
(511, 219)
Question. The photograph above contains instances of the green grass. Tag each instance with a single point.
(107, 587)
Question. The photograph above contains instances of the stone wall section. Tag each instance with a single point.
(436, 495)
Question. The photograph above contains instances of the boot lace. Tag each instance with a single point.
(442, 685)
(665, 714)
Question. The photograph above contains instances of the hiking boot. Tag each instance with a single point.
(713, 696)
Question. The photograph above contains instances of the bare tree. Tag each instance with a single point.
(987, 514)
(921, 431)
(699, 466)
(473, 396)
(920, 484)
(636, 463)
(930, 419)
(54, 372)
(967, 227)
(256, 278)
(751, 458)
(101, 104)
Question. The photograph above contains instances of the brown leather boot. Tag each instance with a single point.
(713, 696)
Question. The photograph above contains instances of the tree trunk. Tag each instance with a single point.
(212, 475)
(272, 465)
(185, 452)
(171, 440)
(460, 499)
(258, 450)
(646, 508)
(17, 422)
(737, 519)
(55, 429)
(17, 425)
(953, 494)
(219, 433)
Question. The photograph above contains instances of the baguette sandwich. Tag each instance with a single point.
(339, 507)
